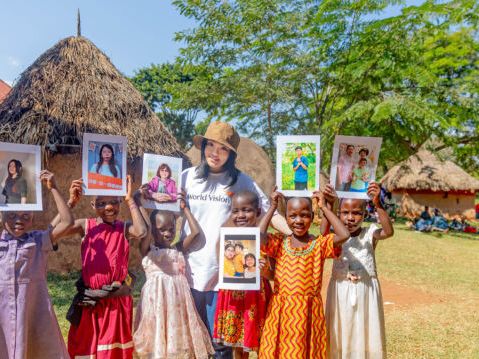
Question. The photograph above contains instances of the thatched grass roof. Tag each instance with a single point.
(425, 171)
(74, 88)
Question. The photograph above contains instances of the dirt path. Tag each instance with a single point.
(397, 296)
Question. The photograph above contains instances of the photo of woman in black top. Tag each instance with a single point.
(15, 186)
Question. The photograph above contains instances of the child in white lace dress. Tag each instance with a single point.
(354, 307)
(167, 325)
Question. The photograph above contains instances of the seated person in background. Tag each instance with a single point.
(456, 225)
(425, 214)
(439, 223)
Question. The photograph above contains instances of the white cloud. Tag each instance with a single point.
(12, 61)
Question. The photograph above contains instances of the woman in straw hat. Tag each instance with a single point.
(209, 187)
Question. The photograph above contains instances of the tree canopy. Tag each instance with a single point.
(335, 67)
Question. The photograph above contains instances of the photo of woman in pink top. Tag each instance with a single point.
(162, 188)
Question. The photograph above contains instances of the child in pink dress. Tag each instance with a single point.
(167, 324)
(104, 329)
(28, 326)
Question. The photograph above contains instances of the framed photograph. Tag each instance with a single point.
(20, 166)
(354, 164)
(297, 165)
(162, 177)
(104, 164)
(239, 258)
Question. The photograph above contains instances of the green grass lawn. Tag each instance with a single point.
(444, 266)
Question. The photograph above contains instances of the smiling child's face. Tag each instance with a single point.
(250, 262)
(164, 230)
(351, 213)
(17, 223)
(243, 211)
(229, 252)
(106, 207)
(299, 216)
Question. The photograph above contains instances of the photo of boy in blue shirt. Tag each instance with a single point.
(300, 168)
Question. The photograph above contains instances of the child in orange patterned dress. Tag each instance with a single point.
(295, 325)
(240, 314)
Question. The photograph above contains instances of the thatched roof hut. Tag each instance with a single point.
(71, 89)
(74, 88)
(425, 180)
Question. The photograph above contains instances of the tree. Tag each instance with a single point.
(335, 67)
(154, 83)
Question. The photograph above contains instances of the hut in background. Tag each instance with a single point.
(424, 180)
(71, 89)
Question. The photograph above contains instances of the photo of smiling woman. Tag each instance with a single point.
(15, 186)
(20, 187)
(104, 164)
(209, 187)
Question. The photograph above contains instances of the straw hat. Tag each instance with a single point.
(220, 132)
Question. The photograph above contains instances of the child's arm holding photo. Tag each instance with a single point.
(65, 220)
(137, 228)
(341, 233)
(78, 226)
(266, 219)
(192, 222)
(387, 230)
(330, 197)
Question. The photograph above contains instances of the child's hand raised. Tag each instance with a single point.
(320, 198)
(129, 190)
(330, 194)
(48, 178)
(275, 197)
(75, 192)
(181, 196)
(374, 192)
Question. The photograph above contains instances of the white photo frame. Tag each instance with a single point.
(286, 162)
(104, 179)
(348, 177)
(28, 164)
(249, 238)
(152, 165)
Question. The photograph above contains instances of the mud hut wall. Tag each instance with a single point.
(66, 168)
(450, 204)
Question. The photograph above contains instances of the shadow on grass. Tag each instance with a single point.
(62, 287)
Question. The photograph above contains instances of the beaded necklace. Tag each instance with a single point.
(298, 252)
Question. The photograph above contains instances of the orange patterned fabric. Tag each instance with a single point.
(295, 325)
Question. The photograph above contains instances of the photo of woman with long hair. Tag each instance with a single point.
(15, 186)
(106, 164)
(162, 188)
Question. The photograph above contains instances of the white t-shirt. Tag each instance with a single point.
(210, 203)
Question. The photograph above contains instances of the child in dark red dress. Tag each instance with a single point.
(104, 329)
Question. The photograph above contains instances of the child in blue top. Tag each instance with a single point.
(300, 168)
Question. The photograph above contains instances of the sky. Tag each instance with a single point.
(134, 34)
